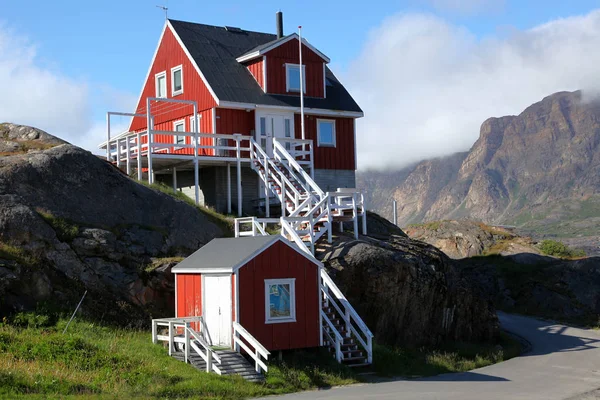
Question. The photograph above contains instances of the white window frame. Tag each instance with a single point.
(173, 91)
(175, 124)
(280, 320)
(162, 74)
(287, 78)
(193, 122)
(319, 120)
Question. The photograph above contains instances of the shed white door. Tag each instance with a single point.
(217, 308)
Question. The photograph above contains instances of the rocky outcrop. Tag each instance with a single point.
(409, 293)
(461, 239)
(69, 221)
(539, 170)
(541, 286)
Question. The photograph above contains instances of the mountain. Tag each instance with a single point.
(539, 170)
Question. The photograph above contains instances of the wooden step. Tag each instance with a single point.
(232, 363)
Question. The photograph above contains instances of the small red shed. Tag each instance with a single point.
(265, 283)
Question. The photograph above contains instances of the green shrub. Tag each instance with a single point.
(33, 320)
(558, 249)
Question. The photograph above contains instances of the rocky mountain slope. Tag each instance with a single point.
(463, 239)
(539, 170)
(69, 221)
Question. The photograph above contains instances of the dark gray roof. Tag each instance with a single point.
(215, 50)
(225, 253)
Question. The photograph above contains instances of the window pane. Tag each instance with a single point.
(263, 126)
(294, 78)
(326, 132)
(162, 86)
(180, 127)
(288, 128)
(279, 301)
(177, 80)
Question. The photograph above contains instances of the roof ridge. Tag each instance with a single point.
(221, 27)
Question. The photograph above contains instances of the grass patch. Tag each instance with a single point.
(65, 230)
(449, 357)
(18, 254)
(559, 249)
(96, 360)
(432, 226)
(157, 262)
(222, 221)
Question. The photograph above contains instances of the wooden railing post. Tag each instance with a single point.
(208, 360)
(364, 218)
(171, 337)
(338, 350)
(347, 318)
(237, 228)
(256, 365)
(154, 332)
(369, 349)
(354, 216)
(187, 342)
(283, 201)
(267, 205)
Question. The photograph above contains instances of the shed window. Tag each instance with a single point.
(161, 84)
(176, 80)
(280, 300)
(292, 73)
(326, 133)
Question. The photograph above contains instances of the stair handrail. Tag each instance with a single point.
(338, 337)
(307, 178)
(210, 355)
(349, 314)
(259, 349)
(256, 226)
(286, 227)
(259, 154)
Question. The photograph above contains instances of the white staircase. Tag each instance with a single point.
(307, 214)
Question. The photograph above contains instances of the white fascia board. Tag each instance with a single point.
(189, 56)
(176, 270)
(312, 111)
(258, 53)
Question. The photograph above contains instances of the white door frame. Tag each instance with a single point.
(272, 112)
(226, 320)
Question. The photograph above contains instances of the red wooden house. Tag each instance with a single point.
(208, 83)
(257, 295)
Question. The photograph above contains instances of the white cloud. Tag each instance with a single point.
(469, 6)
(427, 85)
(34, 94)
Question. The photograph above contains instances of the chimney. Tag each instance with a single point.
(279, 23)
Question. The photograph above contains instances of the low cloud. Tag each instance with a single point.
(38, 95)
(426, 85)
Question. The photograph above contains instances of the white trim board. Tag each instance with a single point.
(258, 53)
(233, 269)
(311, 111)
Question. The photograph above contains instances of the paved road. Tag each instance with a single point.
(564, 363)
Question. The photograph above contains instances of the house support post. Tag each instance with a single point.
(174, 179)
(395, 212)
(171, 337)
(228, 188)
(283, 202)
(364, 218)
(208, 360)
(355, 216)
(196, 172)
(139, 156)
(128, 150)
(118, 153)
(108, 137)
(154, 332)
(149, 141)
(239, 172)
(329, 220)
(267, 205)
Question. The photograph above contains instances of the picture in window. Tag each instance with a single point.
(280, 301)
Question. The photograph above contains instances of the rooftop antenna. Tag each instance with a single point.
(165, 9)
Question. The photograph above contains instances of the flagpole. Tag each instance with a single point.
(301, 86)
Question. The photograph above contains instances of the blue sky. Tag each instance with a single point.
(106, 46)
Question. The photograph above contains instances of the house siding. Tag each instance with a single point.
(339, 157)
(329, 180)
(256, 68)
(280, 261)
(169, 55)
(189, 296)
(288, 53)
